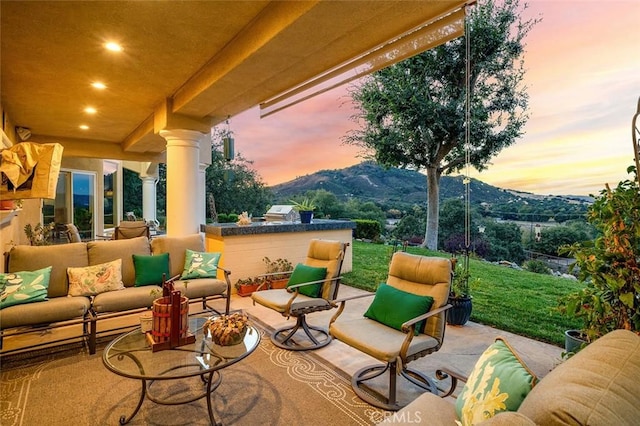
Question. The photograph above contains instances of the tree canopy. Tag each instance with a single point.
(412, 114)
(234, 185)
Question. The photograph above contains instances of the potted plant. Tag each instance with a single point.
(305, 208)
(609, 266)
(278, 272)
(459, 296)
(39, 235)
(246, 286)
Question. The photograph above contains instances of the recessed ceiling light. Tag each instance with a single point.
(99, 85)
(84, 127)
(90, 110)
(113, 46)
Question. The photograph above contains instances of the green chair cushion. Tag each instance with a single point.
(149, 269)
(304, 274)
(200, 265)
(500, 381)
(394, 307)
(24, 287)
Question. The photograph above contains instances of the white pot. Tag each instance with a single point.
(146, 321)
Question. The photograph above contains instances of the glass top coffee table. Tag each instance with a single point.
(130, 355)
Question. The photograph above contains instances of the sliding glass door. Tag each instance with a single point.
(75, 203)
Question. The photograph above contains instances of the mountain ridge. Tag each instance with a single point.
(368, 181)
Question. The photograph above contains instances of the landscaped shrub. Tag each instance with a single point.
(227, 218)
(367, 229)
(537, 266)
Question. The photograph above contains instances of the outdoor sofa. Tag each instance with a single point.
(598, 386)
(62, 308)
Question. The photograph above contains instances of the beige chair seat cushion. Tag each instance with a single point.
(201, 287)
(123, 300)
(277, 300)
(590, 388)
(378, 340)
(53, 310)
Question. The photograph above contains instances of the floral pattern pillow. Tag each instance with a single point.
(95, 279)
(24, 287)
(500, 381)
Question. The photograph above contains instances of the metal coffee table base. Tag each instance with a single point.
(212, 381)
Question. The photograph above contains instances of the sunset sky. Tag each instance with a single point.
(583, 79)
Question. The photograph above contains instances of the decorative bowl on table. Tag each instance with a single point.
(227, 330)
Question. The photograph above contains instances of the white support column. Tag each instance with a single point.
(205, 161)
(149, 197)
(183, 161)
(202, 192)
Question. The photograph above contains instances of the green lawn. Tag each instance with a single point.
(517, 301)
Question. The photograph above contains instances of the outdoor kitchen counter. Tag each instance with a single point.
(228, 229)
(244, 247)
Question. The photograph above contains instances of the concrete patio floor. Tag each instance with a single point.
(462, 345)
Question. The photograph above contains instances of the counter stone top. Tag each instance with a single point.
(230, 229)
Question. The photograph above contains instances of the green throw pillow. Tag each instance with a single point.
(304, 274)
(500, 381)
(149, 269)
(24, 287)
(394, 307)
(200, 265)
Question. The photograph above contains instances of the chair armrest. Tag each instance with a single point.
(342, 302)
(358, 296)
(445, 373)
(294, 289)
(226, 278)
(409, 328)
(406, 326)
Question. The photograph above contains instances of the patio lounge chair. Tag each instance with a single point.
(324, 257)
(405, 321)
(131, 229)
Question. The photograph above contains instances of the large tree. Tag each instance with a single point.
(412, 114)
(234, 184)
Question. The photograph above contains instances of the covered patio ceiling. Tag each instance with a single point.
(185, 64)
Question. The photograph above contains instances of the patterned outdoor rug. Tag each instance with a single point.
(270, 387)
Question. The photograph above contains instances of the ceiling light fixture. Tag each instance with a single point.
(113, 46)
(98, 85)
(90, 110)
(84, 127)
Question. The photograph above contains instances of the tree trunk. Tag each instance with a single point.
(433, 208)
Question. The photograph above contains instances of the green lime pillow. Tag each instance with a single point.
(200, 265)
(394, 307)
(149, 269)
(303, 274)
(500, 381)
(24, 287)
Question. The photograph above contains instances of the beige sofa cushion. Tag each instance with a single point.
(597, 386)
(106, 251)
(59, 257)
(177, 249)
(426, 410)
